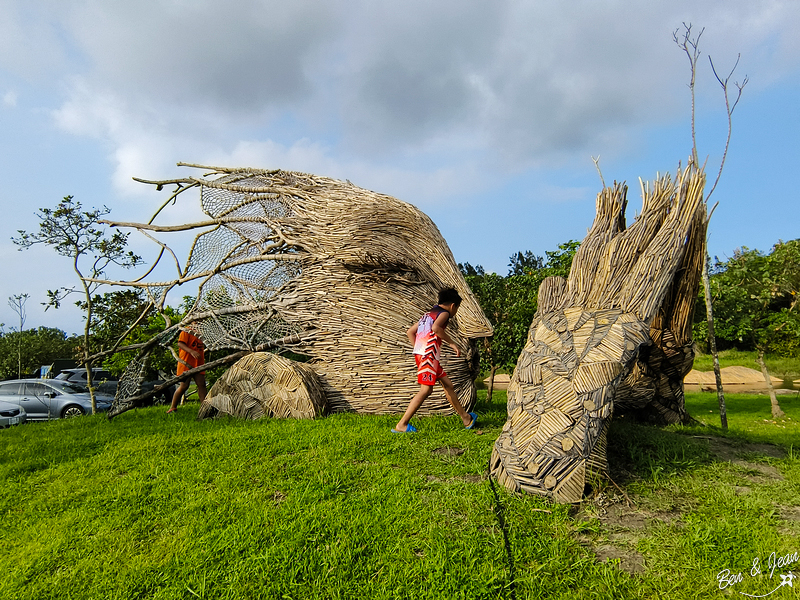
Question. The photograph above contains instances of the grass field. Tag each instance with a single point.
(150, 506)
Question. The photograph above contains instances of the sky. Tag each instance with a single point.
(484, 114)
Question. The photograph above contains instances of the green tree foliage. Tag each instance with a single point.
(755, 298)
(131, 303)
(113, 313)
(37, 347)
(80, 235)
(510, 302)
(525, 263)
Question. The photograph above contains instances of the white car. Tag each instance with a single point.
(11, 414)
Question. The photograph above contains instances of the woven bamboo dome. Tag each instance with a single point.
(629, 288)
(321, 267)
(265, 384)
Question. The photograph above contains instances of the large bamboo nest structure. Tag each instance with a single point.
(321, 267)
(625, 290)
(265, 384)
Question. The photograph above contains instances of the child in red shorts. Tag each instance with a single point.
(426, 336)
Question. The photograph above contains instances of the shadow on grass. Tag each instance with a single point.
(649, 453)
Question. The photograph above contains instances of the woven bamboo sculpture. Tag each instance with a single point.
(323, 268)
(264, 384)
(625, 290)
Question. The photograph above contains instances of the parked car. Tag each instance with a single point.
(103, 380)
(106, 383)
(11, 414)
(44, 399)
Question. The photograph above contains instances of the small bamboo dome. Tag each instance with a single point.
(263, 384)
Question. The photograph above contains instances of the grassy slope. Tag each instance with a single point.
(148, 506)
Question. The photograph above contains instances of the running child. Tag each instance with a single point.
(426, 336)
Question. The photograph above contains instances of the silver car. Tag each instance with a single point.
(11, 414)
(44, 399)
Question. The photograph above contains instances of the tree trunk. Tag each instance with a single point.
(777, 413)
(491, 382)
(712, 344)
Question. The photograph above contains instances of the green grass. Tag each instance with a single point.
(148, 506)
(785, 368)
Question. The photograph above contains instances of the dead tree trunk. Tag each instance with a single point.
(712, 344)
(777, 413)
(491, 382)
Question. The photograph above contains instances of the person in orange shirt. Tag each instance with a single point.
(191, 354)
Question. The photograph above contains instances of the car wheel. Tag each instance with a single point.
(72, 410)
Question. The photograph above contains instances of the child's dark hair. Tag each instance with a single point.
(448, 295)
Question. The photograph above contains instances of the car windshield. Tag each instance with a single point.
(69, 387)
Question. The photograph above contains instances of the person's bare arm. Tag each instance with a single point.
(187, 348)
(412, 333)
(439, 326)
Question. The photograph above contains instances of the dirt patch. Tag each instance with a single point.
(619, 516)
(630, 561)
(612, 528)
(735, 452)
(790, 513)
(447, 451)
(730, 376)
(765, 472)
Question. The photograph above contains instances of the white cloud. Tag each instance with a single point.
(345, 88)
(10, 99)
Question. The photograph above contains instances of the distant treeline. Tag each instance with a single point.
(754, 295)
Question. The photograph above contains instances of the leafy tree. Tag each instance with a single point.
(467, 270)
(755, 299)
(161, 359)
(79, 235)
(525, 263)
(38, 347)
(17, 303)
(510, 302)
(113, 313)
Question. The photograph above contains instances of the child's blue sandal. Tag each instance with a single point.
(409, 429)
(474, 420)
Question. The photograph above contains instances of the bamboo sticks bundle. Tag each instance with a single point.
(295, 256)
(263, 384)
(613, 335)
